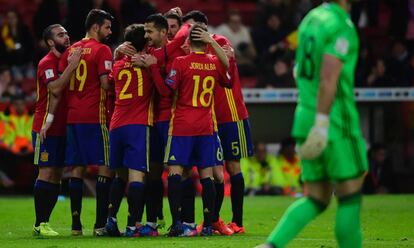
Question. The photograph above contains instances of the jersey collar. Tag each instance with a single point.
(338, 9)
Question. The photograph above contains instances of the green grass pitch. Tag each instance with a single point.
(387, 221)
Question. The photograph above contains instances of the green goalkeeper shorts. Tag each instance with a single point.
(343, 159)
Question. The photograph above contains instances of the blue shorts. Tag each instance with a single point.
(87, 144)
(129, 146)
(158, 139)
(188, 151)
(236, 140)
(219, 150)
(49, 153)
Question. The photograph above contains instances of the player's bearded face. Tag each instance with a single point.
(61, 40)
(173, 28)
(152, 35)
(61, 47)
(104, 31)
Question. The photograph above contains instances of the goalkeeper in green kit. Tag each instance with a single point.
(326, 126)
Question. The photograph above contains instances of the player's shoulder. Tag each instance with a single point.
(332, 16)
(124, 62)
(100, 47)
(181, 59)
(221, 39)
(48, 60)
(212, 57)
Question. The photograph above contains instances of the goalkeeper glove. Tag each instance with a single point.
(317, 138)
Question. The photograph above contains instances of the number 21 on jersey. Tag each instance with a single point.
(128, 75)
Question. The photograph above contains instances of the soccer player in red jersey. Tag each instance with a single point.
(156, 29)
(156, 32)
(87, 140)
(129, 132)
(174, 22)
(191, 139)
(50, 150)
(234, 133)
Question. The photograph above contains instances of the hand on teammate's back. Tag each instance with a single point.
(137, 60)
(148, 60)
(74, 58)
(126, 48)
(229, 51)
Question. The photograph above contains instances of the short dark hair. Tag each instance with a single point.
(47, 32)
(135, 33)
(171, 15)
(97, 16)
(197, 16)
(196, 43)
(160, 22)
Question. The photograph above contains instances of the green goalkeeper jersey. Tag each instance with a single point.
(327, 29)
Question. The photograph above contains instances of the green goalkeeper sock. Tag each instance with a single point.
(294, 220)
(348, 225)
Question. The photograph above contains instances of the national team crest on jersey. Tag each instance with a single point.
(44, 156)
(49, 73)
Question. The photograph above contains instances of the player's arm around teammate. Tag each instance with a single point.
(49, 152)
(129, 134)
(56, 87)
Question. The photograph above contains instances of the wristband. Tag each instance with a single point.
(49, 117)
(322, 120)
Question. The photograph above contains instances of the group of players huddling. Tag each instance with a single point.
(170, 95)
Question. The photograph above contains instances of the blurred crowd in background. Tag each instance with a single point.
(263, 34)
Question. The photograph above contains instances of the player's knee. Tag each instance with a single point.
(321, 197)
(206, 173)
(105, 171)
(46, 174)
(349, 187)
(322, 205)
(218, 175)
(233, 167)
(136, 176)
(175, 170)
(57, 175)
(78, 171)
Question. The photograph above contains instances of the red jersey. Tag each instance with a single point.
(133, 89)
(47, 71)
(165, 56)
(193, 77)
(86, 98)
(229, 104)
